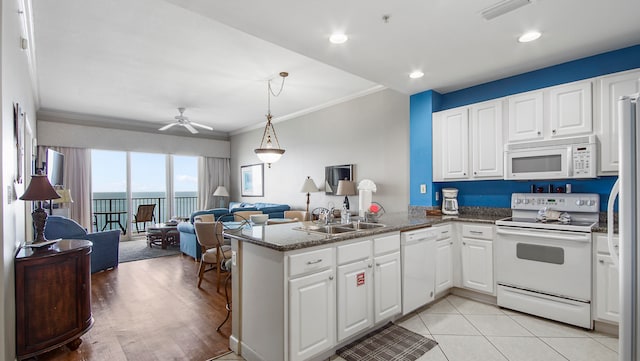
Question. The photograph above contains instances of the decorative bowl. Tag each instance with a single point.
(259, 218)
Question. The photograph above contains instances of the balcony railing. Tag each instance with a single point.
(184, 206)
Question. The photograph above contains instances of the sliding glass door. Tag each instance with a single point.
(122, 181)
(109, 188)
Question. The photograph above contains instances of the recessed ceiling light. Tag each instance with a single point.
(529, 36)
(338, 38)
(416, 74)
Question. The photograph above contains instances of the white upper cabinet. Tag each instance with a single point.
(468, 142)
(611, 88)
(525, 116)
(486, 139)
(570, 109)
(454, 137)
(559, 111)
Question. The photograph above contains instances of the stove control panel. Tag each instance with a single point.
(566, 202)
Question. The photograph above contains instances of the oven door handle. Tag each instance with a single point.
(581, 239)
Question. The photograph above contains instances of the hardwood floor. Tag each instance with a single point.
(152, 310)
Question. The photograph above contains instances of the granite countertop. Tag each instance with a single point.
(285, 237)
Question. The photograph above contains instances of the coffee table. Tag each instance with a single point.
(164, 234)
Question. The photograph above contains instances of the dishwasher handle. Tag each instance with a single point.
(580, 238)
(407, 240)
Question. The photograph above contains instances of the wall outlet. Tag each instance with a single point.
(234, 258)
(437, 196)
(423, 188)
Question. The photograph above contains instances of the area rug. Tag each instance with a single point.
(138, 250)
(389, 343)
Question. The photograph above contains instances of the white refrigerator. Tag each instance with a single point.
(629, 222)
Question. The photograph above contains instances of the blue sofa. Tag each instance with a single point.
(104, 253)
(188, 241)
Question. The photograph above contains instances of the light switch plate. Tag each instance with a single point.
(423, 188)
(234, 258)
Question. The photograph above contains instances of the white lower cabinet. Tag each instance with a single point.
(388, 293)
(477, 258)
(312, 314)
(355, 289)
(443, 258)
(607, 296)
(444, 265)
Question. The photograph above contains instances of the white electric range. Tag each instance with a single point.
(543, 267)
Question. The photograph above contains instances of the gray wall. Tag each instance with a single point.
(15, 88)
(371, 132)
(81, 136)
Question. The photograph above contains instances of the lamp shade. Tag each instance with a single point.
(346, 188)
(309, 186)
(39, 189)
(221, 191)
(65, 196)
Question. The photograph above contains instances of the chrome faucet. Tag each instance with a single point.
(328, 216)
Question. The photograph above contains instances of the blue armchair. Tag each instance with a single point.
(106, 244)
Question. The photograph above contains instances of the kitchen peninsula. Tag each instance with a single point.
(290, 298)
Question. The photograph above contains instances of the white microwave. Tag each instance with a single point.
(566, 158)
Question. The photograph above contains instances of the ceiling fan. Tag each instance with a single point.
(185, 122)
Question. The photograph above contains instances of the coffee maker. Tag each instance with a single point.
(449, 201)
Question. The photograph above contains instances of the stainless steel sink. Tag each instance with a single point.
(338, 228)
(362, 225)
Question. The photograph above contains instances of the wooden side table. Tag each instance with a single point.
(53, 297)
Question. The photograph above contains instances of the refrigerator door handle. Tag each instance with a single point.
(612, 199)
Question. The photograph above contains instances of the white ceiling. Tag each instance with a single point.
(132, 63)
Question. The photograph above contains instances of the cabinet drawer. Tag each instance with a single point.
(480, 232)
(354, 252)
(443, 231)
(602, 244)
(386, 243)
(310, 261)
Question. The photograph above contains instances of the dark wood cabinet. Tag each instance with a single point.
(53, 297)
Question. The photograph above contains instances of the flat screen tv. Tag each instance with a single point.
(55, 167)
(334, 174)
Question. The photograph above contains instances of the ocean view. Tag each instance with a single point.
(185, 203)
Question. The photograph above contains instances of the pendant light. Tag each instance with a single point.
(268, 151)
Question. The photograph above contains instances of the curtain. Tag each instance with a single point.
(77, 178)
(213, 172)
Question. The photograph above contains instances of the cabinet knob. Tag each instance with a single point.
(474, 173)
(330, 278)
(553, 131)
(538, 132)
(377, 264)
(601, 261)
(464, 243)
(370, 265)
(464, 173)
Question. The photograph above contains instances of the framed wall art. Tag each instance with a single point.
(18, 135)
(252, 180)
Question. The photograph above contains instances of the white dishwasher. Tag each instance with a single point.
(418, 249)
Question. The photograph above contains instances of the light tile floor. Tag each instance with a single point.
(468, 330)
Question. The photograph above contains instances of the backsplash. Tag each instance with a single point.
(497, 193)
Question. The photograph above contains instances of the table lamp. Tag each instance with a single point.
(221, 191)
(308, 187)
(39, 189)
(346, 188)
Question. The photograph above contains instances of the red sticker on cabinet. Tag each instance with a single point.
(360, 279)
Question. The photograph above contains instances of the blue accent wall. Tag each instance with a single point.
(497, 193)
(585, 68)
(421, 107)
